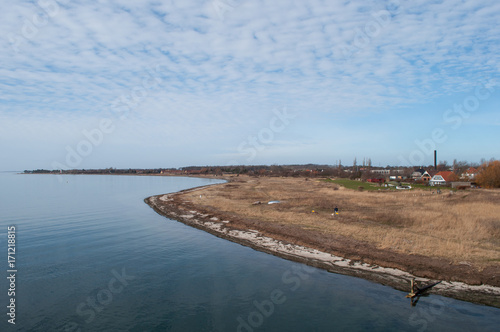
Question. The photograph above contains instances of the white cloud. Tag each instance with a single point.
(222, 75)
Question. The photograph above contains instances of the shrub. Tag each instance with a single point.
(489, 175)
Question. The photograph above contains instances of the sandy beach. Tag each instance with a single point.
(475, 280)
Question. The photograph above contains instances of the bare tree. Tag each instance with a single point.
(443, 166)
(459, 167)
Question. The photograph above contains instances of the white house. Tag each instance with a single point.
(442, 178)
(470, 174)
(417, 174)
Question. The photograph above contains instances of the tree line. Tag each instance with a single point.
(488, 174)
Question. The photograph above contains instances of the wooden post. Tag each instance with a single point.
(413, 289)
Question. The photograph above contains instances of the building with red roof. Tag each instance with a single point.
(470, 173)
(443, 178)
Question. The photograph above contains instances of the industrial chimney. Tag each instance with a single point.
(435, 160)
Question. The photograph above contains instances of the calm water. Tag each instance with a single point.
(91, 255)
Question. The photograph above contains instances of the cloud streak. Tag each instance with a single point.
(225, 73)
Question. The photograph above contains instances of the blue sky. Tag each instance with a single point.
(147, 84)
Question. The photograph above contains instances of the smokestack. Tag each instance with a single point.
(435, 160)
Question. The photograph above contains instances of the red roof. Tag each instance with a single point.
(471, 170)
(446, 175)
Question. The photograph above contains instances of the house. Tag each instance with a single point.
(381, 171)
(417, 174)
(421, 174)
(442, 178)
(426, 177)
(470, 174)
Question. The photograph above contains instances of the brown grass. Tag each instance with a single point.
(460, 227)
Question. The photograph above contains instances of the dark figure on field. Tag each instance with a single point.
(336, 210)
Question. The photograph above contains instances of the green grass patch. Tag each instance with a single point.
(353, 184)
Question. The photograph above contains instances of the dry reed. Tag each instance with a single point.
(461, 227)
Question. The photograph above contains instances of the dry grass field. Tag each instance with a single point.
(461, 227)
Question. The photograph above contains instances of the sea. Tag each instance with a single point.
(89, 255)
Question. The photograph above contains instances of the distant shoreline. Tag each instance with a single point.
(218, 224)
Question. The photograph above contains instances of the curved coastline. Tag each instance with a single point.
(170, 206)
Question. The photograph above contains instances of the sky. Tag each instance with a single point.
(160, 84)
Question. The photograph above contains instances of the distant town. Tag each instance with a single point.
(457, 175)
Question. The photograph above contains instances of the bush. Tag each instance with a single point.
(489, 175)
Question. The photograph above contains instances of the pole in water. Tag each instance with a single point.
(413, 287)
(416, 292)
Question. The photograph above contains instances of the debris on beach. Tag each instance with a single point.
(273, 202)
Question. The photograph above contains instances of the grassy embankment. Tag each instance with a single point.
(462, 227)
(356, 185)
